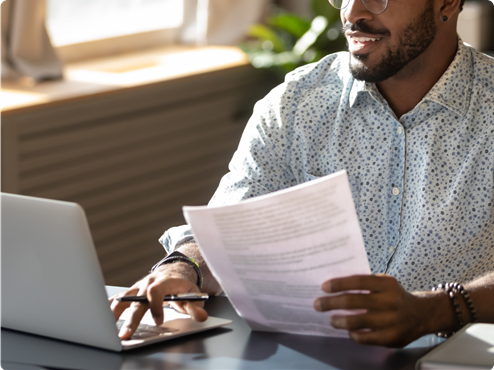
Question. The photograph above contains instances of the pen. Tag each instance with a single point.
(176, 297)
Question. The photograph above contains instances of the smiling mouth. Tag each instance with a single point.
(361, 44)
(361, 40)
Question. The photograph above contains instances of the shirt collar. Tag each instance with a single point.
(453, 89)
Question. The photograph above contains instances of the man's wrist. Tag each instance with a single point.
(439, 315)
(178, 270)
(177, 256)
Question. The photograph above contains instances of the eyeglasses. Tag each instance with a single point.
(373, 6)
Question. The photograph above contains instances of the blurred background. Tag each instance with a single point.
(133, 108)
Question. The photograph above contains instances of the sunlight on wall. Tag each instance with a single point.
(75, 21)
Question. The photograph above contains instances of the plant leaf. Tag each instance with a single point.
(324, 8)
(318, 26)
(266, 34)
(291, 23)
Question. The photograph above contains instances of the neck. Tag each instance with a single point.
(408, 87)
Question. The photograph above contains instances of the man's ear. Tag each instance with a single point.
(448, 9)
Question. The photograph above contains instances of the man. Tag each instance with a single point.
(409, 113)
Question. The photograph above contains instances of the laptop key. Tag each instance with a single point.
(145, 331)
(142, 334)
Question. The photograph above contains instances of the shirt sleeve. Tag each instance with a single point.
(259, 165)
(175, 237)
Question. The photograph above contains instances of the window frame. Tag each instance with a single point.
(128, 43)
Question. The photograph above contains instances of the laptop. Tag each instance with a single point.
(52, 284)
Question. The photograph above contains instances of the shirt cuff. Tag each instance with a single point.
(175, 237)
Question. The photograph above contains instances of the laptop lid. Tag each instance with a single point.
(52, 284)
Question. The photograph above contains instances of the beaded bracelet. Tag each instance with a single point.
(451, 289)
(468, 301)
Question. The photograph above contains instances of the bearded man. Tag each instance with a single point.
(408, 112)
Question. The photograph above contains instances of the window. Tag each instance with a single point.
(72, 22)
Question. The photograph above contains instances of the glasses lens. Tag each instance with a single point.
(376, 6)
(339, 4)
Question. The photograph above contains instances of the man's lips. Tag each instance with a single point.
(361, 43)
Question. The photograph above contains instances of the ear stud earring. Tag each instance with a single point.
(445, 18)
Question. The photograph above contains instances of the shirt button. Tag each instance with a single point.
(423, 106)
(396, 191)
(391, 249)
(400, 130)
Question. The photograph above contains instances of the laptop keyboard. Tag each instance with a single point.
(146, 331)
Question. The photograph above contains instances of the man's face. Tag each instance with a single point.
(382, 45)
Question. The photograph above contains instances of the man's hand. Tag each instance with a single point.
(166, 280)
(393, 317)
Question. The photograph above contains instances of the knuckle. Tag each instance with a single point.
(358, 322)
(154, 289)
(361, 337)
(392, 339)
(390, 281)
(366, 337)
(325, 304)
(335, 285)
(350, 301)
(351, 322)
(395, 302)
(345, 300)
(361, 279)
(149, 279)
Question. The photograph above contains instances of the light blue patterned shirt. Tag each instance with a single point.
(423, 184)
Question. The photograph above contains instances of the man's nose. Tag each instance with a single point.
(354, 11)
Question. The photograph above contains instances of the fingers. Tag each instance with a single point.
(155, 294)
(373, 283)
(388, 315)
(155, 287)
(359, 322)
(387, 337)
(346, 302)
(377, 338)
(118, 307)
(137, 311)
(161, 287)
(194, 309)
(372, 329)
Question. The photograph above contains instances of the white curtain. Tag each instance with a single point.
(220, 22)
(26, 48)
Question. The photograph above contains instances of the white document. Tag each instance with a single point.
(272, 253)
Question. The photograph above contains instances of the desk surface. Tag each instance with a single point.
(232, 347)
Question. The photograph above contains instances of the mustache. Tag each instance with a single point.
(363, 26)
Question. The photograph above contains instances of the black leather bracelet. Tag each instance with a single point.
(180, 257)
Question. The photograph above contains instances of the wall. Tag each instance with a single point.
(132, 158)
(476, 25)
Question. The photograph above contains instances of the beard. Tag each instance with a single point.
(413, 41)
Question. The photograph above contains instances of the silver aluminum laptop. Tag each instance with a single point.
(52, 284)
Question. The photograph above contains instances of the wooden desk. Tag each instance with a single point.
(232, 347)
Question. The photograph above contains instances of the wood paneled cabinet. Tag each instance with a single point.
(132, 157)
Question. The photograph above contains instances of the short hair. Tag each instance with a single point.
(461, 4)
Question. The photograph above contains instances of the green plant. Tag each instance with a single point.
(288, 41)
